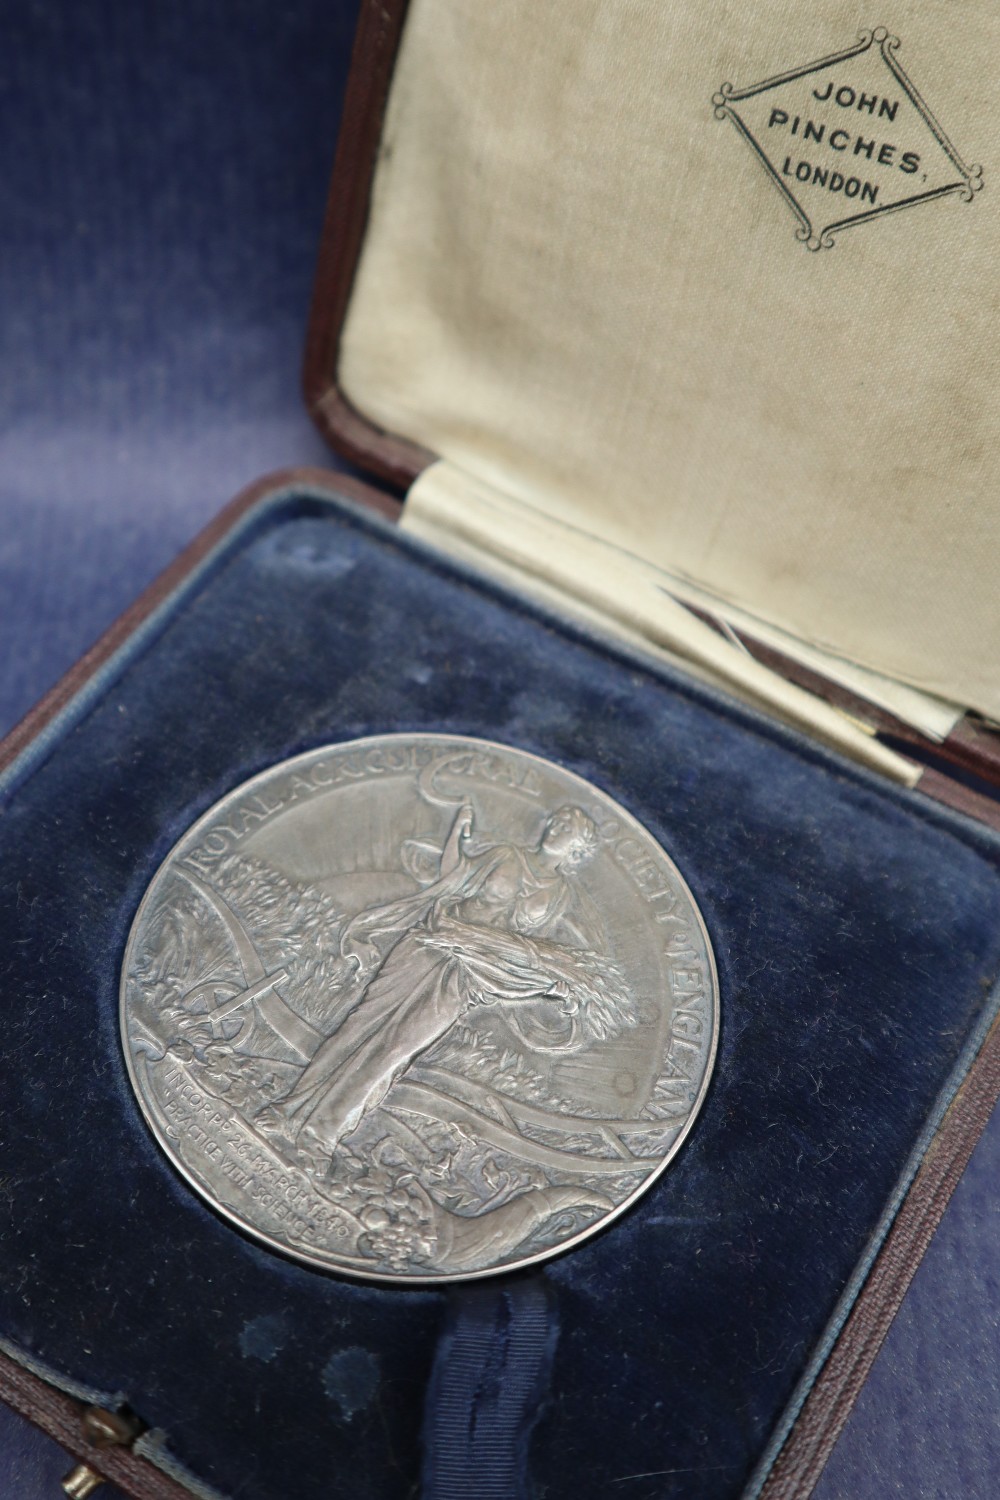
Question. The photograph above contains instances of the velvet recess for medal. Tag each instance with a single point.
(857, 938)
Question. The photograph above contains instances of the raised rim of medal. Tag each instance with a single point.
(328, 1264)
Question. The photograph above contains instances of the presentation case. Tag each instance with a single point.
(848, 867)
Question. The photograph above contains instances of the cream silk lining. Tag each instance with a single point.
(583, 291)
(613, 590)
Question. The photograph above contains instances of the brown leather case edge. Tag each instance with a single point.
(818, 1425)
(392, 459)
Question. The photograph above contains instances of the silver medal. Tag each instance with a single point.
(419, 1008)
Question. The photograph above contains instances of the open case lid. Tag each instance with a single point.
(581, 267)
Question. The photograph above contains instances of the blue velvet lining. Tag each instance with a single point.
(857, 934)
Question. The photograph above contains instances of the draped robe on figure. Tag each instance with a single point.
(477, 935)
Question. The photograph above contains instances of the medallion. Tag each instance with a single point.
(419, 1008)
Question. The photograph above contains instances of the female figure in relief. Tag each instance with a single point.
(502, 925)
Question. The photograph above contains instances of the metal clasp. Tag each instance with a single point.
(83, 1481)
(102, 1429)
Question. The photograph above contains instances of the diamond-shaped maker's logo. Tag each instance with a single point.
(847, 139)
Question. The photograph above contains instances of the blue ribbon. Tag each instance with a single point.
(487, 1388)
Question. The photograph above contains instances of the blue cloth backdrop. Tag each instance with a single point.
(162, 175)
